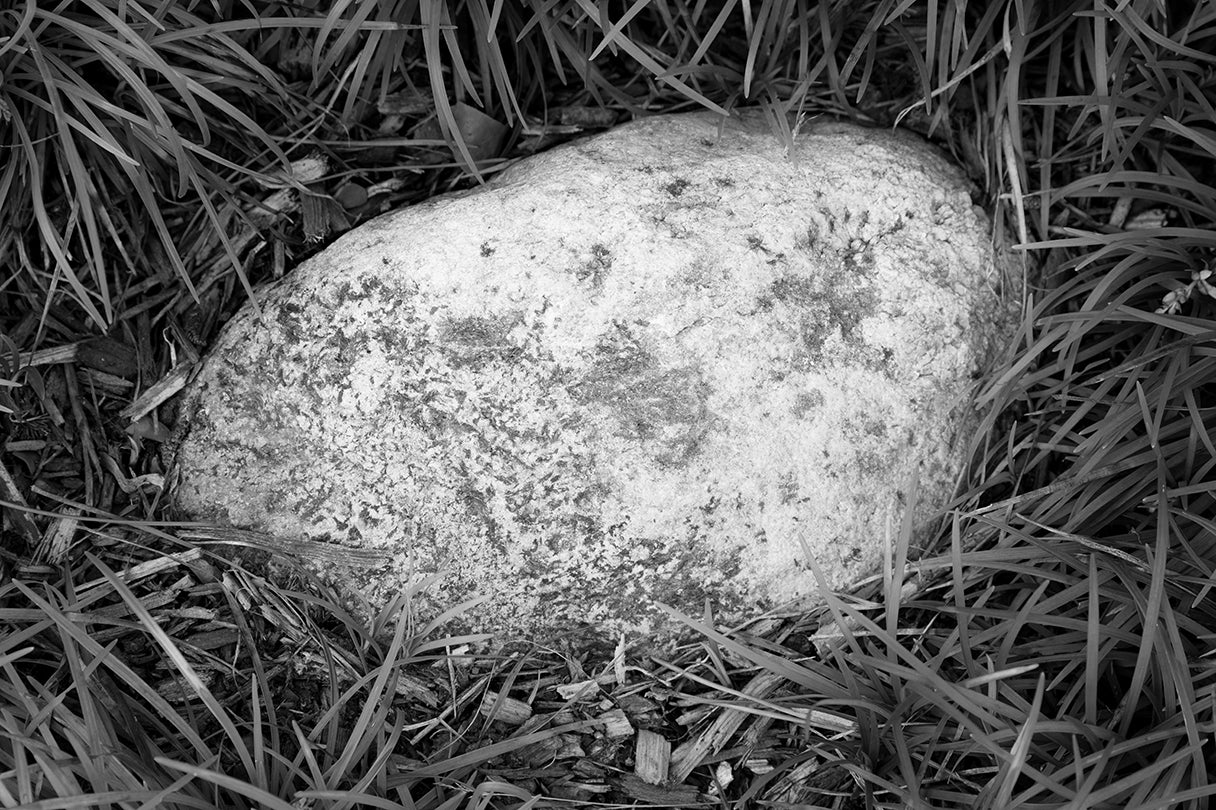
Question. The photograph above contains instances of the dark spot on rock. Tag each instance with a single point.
(348, 292)
(289, 319)
(807, 401)
(662, 406)
(787, 488)
(880, 359)
(858, 258)
(733, 563)
(477, 340)
(824, 304)
(677, 187)
(830, 219)
(795, 290)
(872, 464)
(595, 268)
(337, 354)
(724, 182)
(939, 274)
(813, 332)
(812, 235)
(365, 515)
(697, 275)
(689, 593)
(486, 249)
(755, 243)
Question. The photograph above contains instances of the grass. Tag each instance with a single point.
(1050, 649)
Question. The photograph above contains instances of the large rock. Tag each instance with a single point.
(659, 364)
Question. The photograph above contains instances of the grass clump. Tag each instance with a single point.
(1049, 649)
(184, 681)
(110, 111)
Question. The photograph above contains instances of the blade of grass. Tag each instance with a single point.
(171, 651)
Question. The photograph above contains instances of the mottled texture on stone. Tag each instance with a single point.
(647, 366)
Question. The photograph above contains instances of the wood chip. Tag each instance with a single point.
(832, 723)
(690, 754)
(146, 569)
(213, 639)
(694, 716)
(51, 356)
(106, 383)
(22, 520)
(577, 791)
(203, 614)
(386, 186)
(758, 766)
(616, 724)
(655, 794)
(638, 707)
(1118, 214)
(406, 102)
(1147, 220)
(794, 788)
(283, 201)
(652, 757)
(558, 747)
(305, 170)
(180, 688)
(167, 387)
(99, 353)
(416, 689)
(55, 544)
(153, 601)
(507, 709)
(618, 661)
(581, 690)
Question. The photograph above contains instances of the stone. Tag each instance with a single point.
(659, 365)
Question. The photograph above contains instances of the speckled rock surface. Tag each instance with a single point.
(647, 366)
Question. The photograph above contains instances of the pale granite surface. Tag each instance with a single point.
(657, 365)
